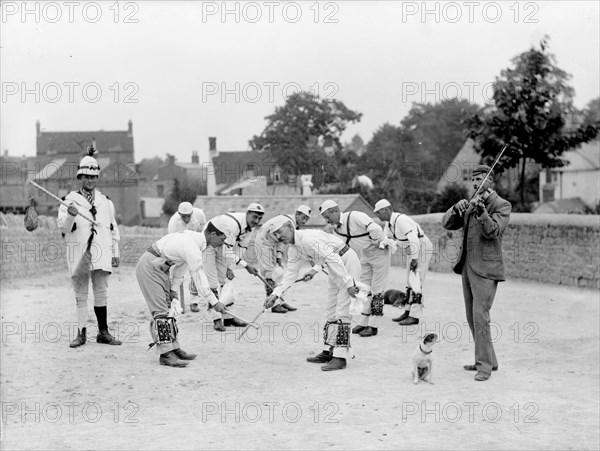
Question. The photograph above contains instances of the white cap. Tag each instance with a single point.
(185, 208)
(381, 204)
(327, 205)
(258, 208)
(224, 226)
(304, 209)
(88, 166)
(279, 221)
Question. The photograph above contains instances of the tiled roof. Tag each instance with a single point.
(77, 142)
(275, 205)
(229, 167)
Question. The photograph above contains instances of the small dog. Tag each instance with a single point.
(422, 362)
(394, 297)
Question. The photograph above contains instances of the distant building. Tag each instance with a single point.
(578, 181)
(459, 170)
(55, 168)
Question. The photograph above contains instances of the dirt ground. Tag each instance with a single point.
(260, 393)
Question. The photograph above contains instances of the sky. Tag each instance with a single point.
(184, 71)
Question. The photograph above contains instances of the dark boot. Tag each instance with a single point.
(368, 332)
(106, 338)
(218, 324)
(183, 355)
(402, 317)
(336, 363)
(287, 306)
(358, 329)
(171, 359)
(324, 357)
(279, 309)
(234, 322)
(80, 339)
(408, 321)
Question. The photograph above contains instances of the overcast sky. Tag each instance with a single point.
(183, 71)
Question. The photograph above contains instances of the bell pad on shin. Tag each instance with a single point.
(377, 305)
(337, 333)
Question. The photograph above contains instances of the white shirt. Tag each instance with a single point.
(185, 250)
(360, 224)
(196, 224)
(241, 234)
(318, 247)
(405, 230)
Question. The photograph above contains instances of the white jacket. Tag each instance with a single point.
(77, 231)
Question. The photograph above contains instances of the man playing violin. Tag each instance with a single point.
(483, 220)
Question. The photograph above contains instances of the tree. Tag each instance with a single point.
(450, 195)
(297, 134)
(181, 192)
(591, 114)
(532, 105)
(356, 145)
(439, 130)
(148, 167)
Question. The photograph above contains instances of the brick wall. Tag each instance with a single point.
(559, 249)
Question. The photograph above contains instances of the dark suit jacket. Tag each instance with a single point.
(482, 237)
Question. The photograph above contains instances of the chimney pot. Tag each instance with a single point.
(212, 144)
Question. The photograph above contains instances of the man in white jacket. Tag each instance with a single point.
(419, 249)
(191, 218)
(159, 283)
(344, 268)
(92, 250)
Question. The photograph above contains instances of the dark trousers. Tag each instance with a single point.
(479, 296)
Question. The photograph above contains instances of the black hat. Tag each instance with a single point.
(481, 169)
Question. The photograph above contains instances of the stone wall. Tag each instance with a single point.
(559, 249)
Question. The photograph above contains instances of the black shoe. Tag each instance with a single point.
(474, 368)
(80, 339)
(107, 339)
(279, 309)
(409, 321)
(183, 355)
(368, 332)
(194, 308)
(170, 359)
(323, 357)
(358, 329)
(218, 325)
(234, 322)
(336, 363)
(402, 317)
(287, 306)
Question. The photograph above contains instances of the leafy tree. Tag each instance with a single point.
(532, 102)
(297, 134)
(148, 167)
(591, 114)
(181, 192)
(450, 195)
(356, 145)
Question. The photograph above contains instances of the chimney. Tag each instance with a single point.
(129, 128)
(170, 160)
(195, 158)
(212, 144)
(37, 129)
(5, 153)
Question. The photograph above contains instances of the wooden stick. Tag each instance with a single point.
(44, 190)
(251, 324)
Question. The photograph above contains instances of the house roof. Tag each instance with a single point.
(584, 158)
(242, 183)
(229, 167)
(276, 205)
(570, 205)
(77, 142)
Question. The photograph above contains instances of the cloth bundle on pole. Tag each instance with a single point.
(31, 216)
